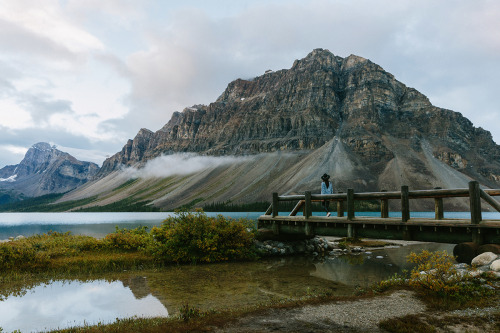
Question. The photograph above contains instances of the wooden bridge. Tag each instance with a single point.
(439, 229)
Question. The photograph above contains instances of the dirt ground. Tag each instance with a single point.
(356, 316)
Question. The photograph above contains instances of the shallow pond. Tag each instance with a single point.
(61, 303)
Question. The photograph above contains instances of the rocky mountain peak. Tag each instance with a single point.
(381, 127)
(353, 61)
(45, 169)
(43, 146)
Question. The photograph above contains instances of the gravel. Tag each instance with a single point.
(342, 316)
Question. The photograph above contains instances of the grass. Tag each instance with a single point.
(57, 252)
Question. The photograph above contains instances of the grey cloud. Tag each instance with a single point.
(27, 137)
(451, 54)
(42, 106)
(16, 40)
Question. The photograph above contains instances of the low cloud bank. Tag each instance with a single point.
(180, 164)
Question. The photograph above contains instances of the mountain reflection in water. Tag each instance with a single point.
(61, 304)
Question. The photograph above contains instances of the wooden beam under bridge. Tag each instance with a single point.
(451, 231)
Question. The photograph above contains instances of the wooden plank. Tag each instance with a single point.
(390, 221)
(336, 196)
(493, 192)
(439, 193)
(297, 207)
(495, 204)
(291, 197)
(377, 195)
(269, 210)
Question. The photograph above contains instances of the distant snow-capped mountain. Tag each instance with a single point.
(45, 169)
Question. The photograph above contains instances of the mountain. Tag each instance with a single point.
(44, 170)
(344, 116)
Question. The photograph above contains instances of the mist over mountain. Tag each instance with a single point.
(344, 116)
(45, 170)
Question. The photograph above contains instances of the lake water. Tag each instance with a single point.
(101, 224)
(62, 303)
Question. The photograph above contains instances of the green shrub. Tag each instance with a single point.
(128, 239)
(436, 276)
(195, 237)
(435, 272)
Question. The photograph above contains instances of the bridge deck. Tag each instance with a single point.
(420, 229)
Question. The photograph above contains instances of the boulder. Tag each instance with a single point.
(484, 259)
(495, 248)
(495, 265)
(465, 252)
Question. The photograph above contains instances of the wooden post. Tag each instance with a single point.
(384, 207)
(307, 207)
(340, 207)
(438, 207)
(351, 231)
(475, 210)
(276, 228)
(475, 202)
(350, 204)
(405, 204)
(275, 204)
(308, 230)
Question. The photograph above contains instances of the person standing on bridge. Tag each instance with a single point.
(326, 188)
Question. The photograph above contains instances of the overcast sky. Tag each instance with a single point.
(86, 75)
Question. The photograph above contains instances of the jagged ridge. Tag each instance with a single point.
(377, 119)
(44, 170)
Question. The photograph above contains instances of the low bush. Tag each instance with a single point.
(128, 239)
(195, 237)
(436, 278)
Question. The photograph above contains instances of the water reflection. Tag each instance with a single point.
(215, 286)
(62, 304)
(366, 269)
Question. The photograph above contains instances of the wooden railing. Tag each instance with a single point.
(345, 201)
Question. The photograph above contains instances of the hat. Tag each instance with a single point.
(325, 177)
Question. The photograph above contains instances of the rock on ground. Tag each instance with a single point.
(484, 259)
